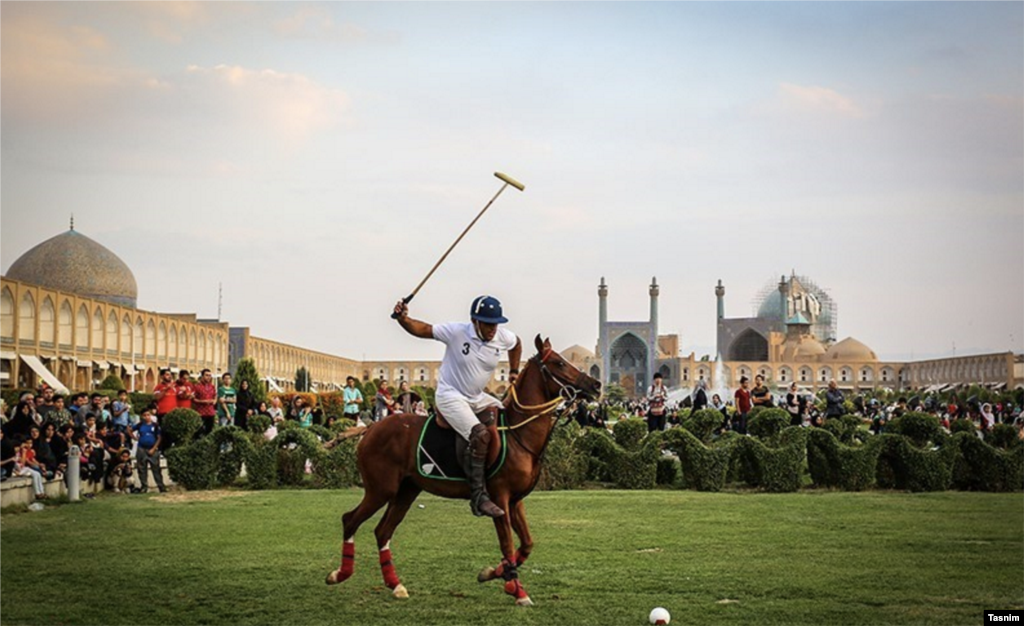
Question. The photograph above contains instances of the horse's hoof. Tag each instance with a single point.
(485, 575)
(400, 591)
(332, 578)
(524, 601)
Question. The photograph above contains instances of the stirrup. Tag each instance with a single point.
(486, 508)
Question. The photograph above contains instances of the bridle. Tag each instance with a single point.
(567, 394)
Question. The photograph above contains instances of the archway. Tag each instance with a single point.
(629, 361)
(750, 345)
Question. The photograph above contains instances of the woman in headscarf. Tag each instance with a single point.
(22, 421)
(244, 405)
(700, 396)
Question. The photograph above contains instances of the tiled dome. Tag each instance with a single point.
(74, 263)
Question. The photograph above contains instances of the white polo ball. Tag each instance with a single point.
(659, 616)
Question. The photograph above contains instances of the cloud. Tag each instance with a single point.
(819, 100)
(291, 105)
(318, 24)
(49, 70)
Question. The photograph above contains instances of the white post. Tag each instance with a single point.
(73, 475)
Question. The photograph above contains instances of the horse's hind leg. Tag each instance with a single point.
(394, 515)
(371, 503)
(522, 530)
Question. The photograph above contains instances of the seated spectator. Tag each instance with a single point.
(25, 464)
(263, 409)
(22, 420)
(8, 457)
(90, 458)
(44, 452)
(302, 413)
(275, 411)
(60, 444)
(119, 472)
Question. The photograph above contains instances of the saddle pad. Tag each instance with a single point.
(436, 457)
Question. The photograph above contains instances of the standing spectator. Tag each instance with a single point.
(794, 405)
(743, 406)
(166, 395)
(147, 454)
(988, 419)
(718, 405)
(184, 390)
(834, 401)
(60, 415)
(225, 400)
(44, 403)
(420, 409)
(244, 405)
(657, 394)
(406, 399)
(205, 400)
(383, 402)
(263, 409)
(275, 411)
(760, 395)
(700, 396)
(120, 412)
(77, 408)
(353, 398)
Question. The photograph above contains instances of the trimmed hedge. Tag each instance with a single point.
(832, 463)
(668, 471)
(921, 428)
(629, 433)
(846, 429)
(598, 447)
(775, 465)
(637, 469)
(563, 465)
(195, 465)
(233, 448)
(705, 468)
(180, 426)
(336, 468)
(294, 446)
(902, 465)
(703, 423)
(767, 423)
(982, 467)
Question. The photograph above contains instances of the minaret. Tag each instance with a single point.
(720, 294)
(654, 303)
(652, 345)
(602, 317)
(784, 296)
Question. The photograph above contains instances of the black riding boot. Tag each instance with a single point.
(474, 464)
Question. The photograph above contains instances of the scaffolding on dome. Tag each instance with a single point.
(825, 326)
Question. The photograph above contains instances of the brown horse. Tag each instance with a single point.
(387, 464)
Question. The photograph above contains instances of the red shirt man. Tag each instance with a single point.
(205, 398)
(743, 397)
(184, 390)
(166, 394)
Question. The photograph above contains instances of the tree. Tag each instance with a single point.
(615, 393)
(246, 370)
(369, 394)
(302, 379)
(112, 381)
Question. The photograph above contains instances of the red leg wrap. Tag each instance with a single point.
(515, 588)
(521, 557)
(387, 568)
(348, 560)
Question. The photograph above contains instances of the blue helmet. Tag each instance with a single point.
(487, 309)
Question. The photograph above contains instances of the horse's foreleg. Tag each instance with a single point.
(351, 522)
(522, 530)
(509, 571)
(394, 515)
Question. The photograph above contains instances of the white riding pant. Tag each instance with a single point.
(461, 412)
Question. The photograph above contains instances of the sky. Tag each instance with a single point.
(315, 160)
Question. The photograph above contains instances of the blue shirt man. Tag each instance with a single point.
(353, 398)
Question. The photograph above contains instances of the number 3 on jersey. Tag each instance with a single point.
(465, 348)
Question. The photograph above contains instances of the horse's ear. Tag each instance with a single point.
(547, 343)
(538, 343)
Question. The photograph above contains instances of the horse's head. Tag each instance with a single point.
(560, 377)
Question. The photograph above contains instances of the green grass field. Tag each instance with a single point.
(601, 557)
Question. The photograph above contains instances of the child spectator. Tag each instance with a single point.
(147, 453)
(119, 473)
(121, 411)
(26, 465)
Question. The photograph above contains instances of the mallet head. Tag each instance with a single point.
(508, 179)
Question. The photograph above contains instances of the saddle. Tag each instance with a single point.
(436, 455)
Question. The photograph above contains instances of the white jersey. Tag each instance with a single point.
(469, 363)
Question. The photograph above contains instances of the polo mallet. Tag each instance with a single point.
(508, 180)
